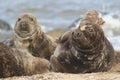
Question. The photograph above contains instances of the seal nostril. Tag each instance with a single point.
(77, 34)
(23, 23)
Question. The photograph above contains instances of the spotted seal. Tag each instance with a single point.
(85, 49)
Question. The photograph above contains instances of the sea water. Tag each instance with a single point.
(53, 14)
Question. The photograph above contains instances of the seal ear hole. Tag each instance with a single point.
(31, 19)
(19, 19)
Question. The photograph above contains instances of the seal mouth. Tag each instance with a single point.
(24, 27)
(25, 34)
(24, 30)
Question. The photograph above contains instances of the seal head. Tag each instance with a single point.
(26, 26)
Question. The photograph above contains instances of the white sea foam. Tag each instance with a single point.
(112, 25)
(115, 41)
(111, 28)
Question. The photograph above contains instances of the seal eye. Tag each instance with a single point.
(19, 19)
(31, 19)
(90, 30)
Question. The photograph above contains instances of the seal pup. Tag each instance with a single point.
(29, 35)
(19, 62)
(85, 49)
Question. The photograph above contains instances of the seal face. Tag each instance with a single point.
(82, 50)
(18, 62)
(29, 35)
(26, 25)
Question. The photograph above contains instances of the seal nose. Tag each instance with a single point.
(76, 34)
(23, 23)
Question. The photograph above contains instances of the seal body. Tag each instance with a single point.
(29, 35)
(18, 62)
(83, 50)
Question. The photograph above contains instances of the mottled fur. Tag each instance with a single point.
(17, 62)
(29, 35)
(92, 17)
(84, 50)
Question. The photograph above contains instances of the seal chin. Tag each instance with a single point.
(24, 34)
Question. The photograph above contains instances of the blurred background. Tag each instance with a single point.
(61, 14)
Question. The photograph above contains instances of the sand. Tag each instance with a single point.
(66, 76)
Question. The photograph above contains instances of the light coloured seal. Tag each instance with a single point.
(29, 35)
